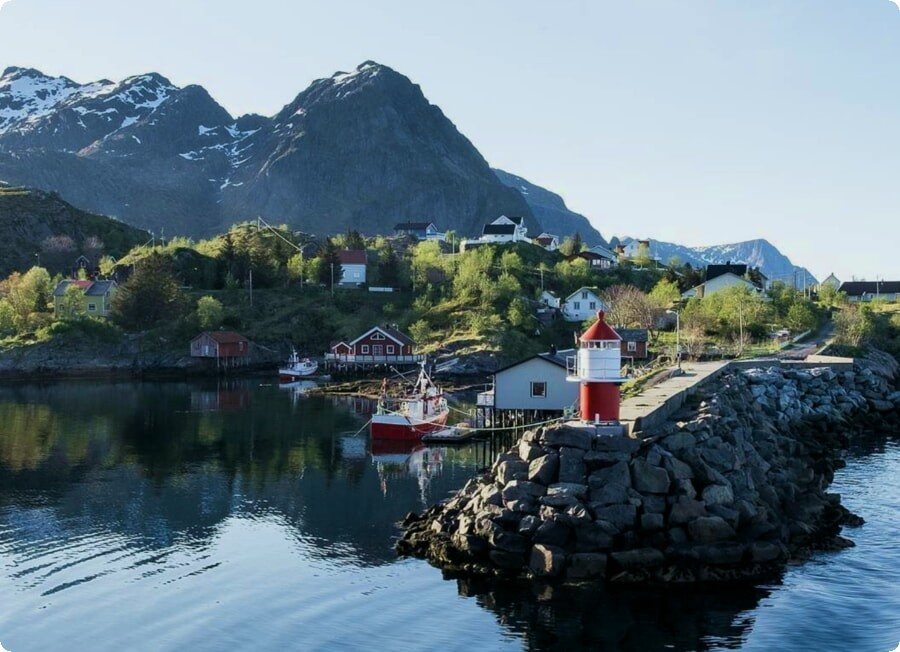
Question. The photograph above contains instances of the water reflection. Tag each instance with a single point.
(621, 619)
(169, 462)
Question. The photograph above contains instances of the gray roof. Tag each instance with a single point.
(99, 288)
(558, 359)
(633, 334)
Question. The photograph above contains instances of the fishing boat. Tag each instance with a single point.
(297, 368)
(410, 417)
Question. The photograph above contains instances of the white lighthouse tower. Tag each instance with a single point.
(597, 367)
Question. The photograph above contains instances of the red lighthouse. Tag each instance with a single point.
(598, 365)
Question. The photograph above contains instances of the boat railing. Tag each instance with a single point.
(392, 359)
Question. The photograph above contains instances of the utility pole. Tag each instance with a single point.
(741, 326)
(332, 279)
(251, 288)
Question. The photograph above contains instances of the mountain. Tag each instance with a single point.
(551, 211)
(756, 253)
(361, 150)
(39, 227)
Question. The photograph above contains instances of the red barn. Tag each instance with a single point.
(220, 345)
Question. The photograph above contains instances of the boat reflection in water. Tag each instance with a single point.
(398, 460)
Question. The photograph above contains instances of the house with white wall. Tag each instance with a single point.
(582, 304)
(353, 266)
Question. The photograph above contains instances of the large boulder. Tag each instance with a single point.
(547, 560)
(586, 565)
(709, 529)
(649, 479)
(570, 437)
(571, 464)
(545, 469)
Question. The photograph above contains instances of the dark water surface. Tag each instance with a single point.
(169, 516)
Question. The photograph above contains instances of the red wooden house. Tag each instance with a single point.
(378, 345)
(226, 346)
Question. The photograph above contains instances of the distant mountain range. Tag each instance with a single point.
(361, 150)
(756, 253)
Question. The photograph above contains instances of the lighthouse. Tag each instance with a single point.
(598, 365)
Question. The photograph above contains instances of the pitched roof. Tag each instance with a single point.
(714, 271)
(558, 359)
(593, 291)
(393, 333)
(633, 334)
(599, 330)
(62, 286)
(547, 236)
(499, 229)
(513, 219)
(224, 337)
(99, 288)
(859, 288)
(600, 250)
(352, 256)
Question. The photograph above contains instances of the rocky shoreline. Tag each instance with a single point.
(732, 487)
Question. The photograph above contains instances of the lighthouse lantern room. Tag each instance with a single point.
(597, 366)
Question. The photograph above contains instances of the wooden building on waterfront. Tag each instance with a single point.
(227, 348)
(378, 346)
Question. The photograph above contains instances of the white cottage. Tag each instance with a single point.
(582, 304)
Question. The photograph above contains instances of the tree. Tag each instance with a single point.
(642, 255)
(387, 270)
(151, 295)
(665, 294)
(329, 271)
(830, 297)
(7, 318)
(28, 293)
(210, 313)
(628, 306)
(571, 246)
(801, 317)
(71, 303)
(353, 240)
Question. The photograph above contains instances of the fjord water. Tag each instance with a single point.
(172, 516)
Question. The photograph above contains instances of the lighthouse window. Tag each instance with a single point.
(538, 389)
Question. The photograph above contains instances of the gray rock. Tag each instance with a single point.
(717, 494)
(574, 516)
(685, 488)
(547, 560)
(569, 488)
(719, 554)
(594, 460)
(528, 525)
(617, 474)
(571, 464)
(490, 495)
(654, 504)
(521, 489)
(586, 565)
(570, 437)
(529, 451)
(609, 494)
(677, 469)
(469, 544)
(559, 501)
(649, 479)
(686, 510)
(552, 532)
(591, 537)
(765, 551)
(524, 505)
(508, 541)
(507, 471)
(639, 558)
(727, 514)
(615, 445)
(652, 522)
(678, 442)
(544, 470)
(709, 529)
(622, 517)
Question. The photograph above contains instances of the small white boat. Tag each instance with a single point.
(297, 368)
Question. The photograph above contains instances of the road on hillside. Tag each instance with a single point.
(811, 345)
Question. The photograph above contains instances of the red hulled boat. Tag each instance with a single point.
(411, 417)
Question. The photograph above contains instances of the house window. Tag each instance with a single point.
(538, 389)
(377, 336)
(593, 305)
(364, 349)
(390, 349)
(632, 347)
(584, 295)
(92, 307)
(576, 305)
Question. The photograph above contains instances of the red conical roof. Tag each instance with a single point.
(599, 330)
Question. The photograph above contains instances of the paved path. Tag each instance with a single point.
(666, 397)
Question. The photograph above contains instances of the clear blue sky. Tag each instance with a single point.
(699, 122)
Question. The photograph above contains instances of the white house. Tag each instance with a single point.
(720, 277)
(609, 258)
(538, 383)
(549, 299)
(505, 229)
(548, 241)
(353, 266)
(420, 230)
(582, 304)
(832, 280)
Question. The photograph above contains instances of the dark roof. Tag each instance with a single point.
(224, 337)
(633, 334)
(352, 256)
(403, 337)
(90, 288)
(412, 226)
(99, 288)
(517, 219)
(558, 359)
(714, 271)
(499, 229)
(859, 288)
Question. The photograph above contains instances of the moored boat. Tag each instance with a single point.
(297, 368)
(411, 417)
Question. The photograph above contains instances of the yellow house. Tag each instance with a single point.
(96, 297)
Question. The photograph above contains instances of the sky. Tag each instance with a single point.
(700, 122)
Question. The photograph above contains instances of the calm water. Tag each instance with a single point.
(205, 517)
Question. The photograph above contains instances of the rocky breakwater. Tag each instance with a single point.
(731, 488)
